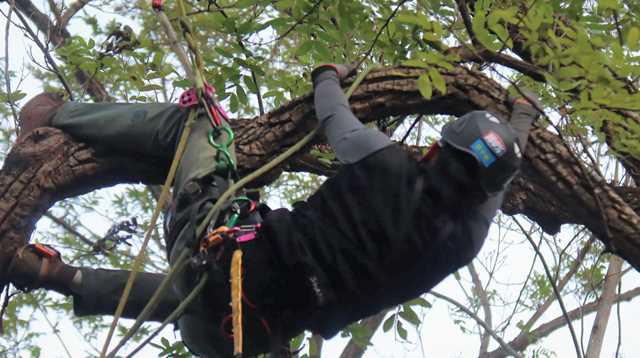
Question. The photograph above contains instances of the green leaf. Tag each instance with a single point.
(305, 47)
(419, 301)
(402, 332)
(608, 4)
(413, 19)
(151, 87)
(388, 323)
(415, 63)
(633, 39)
(438, 81)
(424, 86)
(409, 315)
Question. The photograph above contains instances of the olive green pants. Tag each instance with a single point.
(153, 130)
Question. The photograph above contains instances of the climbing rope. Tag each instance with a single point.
(212, 215)
(137, 263)
(236, 301)
(212, 110)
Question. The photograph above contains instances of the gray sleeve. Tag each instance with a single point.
(522, 117)
(349, 138)
(489, 208)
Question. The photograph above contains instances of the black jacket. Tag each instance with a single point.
(373, 236)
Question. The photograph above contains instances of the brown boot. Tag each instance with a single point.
(39, 112)
(40, 266)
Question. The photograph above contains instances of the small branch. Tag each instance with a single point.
(547, 271)
(504, 345)
(71, 11)
(604, 307)
(54, 67)
(69, 228)
(521, 343)
(175, 45)
(486, 308)
(466, 19)
(353, 350)
(485, 55)
(298, 22)
(563, 282)
(7, 77)
(375, 39)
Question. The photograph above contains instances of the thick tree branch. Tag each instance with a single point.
(551, 190)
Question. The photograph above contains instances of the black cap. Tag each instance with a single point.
(494, 145)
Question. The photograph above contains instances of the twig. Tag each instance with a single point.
(375, 39)
(486, 307)
(254, 77)
(71, 11)
(547, 271)
(7, 77)
(54, 67)
(521, 342)
(482, 323)
(69, 228)
(406, 135)
(298, 22)
(175, 45)
(53, 328)
(619, 322)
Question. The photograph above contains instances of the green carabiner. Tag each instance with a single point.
(223, 147)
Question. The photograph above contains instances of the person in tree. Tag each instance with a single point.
(385, 229)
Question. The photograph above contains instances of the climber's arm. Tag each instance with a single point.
(349, 138)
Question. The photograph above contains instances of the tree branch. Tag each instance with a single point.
(58, 36)
(522, 342)
(481, 293)
(354, 350)
(504, 345)
(604, 307)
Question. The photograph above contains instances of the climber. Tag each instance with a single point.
(385, 229)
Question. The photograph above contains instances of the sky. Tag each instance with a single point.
(438, 336)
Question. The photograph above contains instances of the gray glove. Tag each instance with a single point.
(524, 96)
(342, 70)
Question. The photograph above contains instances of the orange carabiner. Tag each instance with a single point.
(213, 238)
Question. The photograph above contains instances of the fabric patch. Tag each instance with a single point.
(496, 143)
(482, 152)
(491, 118)
(516, 148)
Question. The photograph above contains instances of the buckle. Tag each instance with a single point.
(45, 250)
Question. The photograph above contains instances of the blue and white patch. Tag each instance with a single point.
(482, 152)
(495, 143)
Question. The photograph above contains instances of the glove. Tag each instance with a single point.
(342, 70)
(529, 98)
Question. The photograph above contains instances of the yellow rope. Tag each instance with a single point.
(236, 301)
(137, 263)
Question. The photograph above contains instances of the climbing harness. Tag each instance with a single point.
(203, 94)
